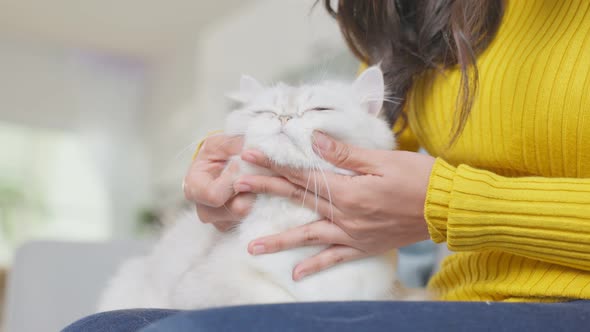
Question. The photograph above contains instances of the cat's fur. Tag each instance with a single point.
(194, 266)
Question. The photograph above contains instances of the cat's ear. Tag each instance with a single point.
(249, 87)
(371, 88)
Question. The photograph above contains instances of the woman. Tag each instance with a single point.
(509, 191)
(498, 92)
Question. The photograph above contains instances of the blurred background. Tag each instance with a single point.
(102, 103)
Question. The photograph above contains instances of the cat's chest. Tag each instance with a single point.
(271, 215)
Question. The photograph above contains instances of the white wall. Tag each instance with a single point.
(265, 39)
(171, 87)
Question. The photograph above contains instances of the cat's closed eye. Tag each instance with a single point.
(264, 112)
(320, 108)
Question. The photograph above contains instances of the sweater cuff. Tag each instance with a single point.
(438, 196)
(533, 216)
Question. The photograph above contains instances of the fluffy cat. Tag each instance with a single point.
(194, 266)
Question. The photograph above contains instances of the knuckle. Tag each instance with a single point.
(333, 258)
(318, 264)
(267, 163)
(277, 245)
(204, 217)
(222, 227)
(293, 173)
(353, 228)
(264, 188)
(213, 199)
(366, 206)
(297, 193)
(225, 225)
(347, 200)
(241, 208)
(309, 235)
(342, 153)
(371, 209)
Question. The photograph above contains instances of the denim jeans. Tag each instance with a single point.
(350, 316)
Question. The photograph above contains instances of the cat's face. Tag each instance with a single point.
(280, 120)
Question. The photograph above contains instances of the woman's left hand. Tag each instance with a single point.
(368, 214)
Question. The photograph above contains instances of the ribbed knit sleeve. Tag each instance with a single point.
(543, 218)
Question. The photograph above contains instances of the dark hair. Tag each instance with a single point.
(409, 37)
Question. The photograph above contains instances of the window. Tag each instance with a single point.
(50, 188)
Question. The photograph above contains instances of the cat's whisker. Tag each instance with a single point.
(231, 139)
(234, 217)
(328, 192)
(306, 189)
(325, 183)
(393, 99)
(386, 100)
(315, 189)
(379, 95)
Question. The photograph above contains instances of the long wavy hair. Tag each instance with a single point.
(409, 37)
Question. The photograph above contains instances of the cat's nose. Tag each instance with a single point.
(284, 118)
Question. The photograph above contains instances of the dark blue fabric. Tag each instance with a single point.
(119, 320)
(364, 316)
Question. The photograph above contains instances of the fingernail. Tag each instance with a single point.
(242, 187)
(258, 249)
(253, 156)
(322, 141)
(249, 157)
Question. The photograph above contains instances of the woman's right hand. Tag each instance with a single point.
(209, 183)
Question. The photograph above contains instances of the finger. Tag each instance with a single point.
(236, 209)
(314, 233)
(202, 188)
(220, 147)
(344, 155)
(281, 187)
(199, 175)
(317, 181)
(325, 259)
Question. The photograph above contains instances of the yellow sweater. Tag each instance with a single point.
(512, 198)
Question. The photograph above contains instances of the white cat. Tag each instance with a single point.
(194, 266)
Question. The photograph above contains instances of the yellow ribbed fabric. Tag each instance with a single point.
(518, 217)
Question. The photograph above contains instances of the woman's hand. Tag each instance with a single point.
(369, 214)
(208, 183)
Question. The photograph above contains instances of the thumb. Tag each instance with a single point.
(217, 192)
(343, 155)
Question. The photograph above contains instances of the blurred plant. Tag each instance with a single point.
(13, 198)
(148, 221)
(10, 197)
(152, 219)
